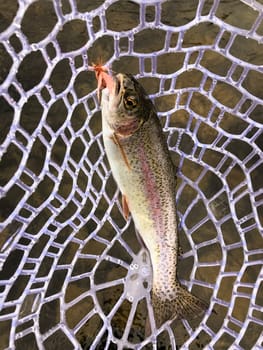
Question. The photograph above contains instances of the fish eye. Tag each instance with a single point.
(130, 102)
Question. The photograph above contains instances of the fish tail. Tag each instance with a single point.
(178, 304)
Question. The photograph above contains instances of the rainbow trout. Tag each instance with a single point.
(143, 170)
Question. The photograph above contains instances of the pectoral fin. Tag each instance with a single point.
(117, 142)
(125, 208)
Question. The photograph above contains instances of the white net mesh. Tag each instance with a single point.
(72, 274)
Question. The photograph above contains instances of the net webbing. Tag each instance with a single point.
(72, 273)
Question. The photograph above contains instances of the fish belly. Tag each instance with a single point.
(149, 194)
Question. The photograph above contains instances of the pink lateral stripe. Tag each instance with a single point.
(152, 193)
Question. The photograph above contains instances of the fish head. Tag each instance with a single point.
(125, 104)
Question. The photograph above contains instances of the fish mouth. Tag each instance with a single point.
(117, 85)
(118, 90)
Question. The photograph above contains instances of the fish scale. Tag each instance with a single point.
(143, 170)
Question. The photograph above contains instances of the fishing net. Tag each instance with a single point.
(72, 272)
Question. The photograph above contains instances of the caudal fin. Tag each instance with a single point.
(176, 305)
